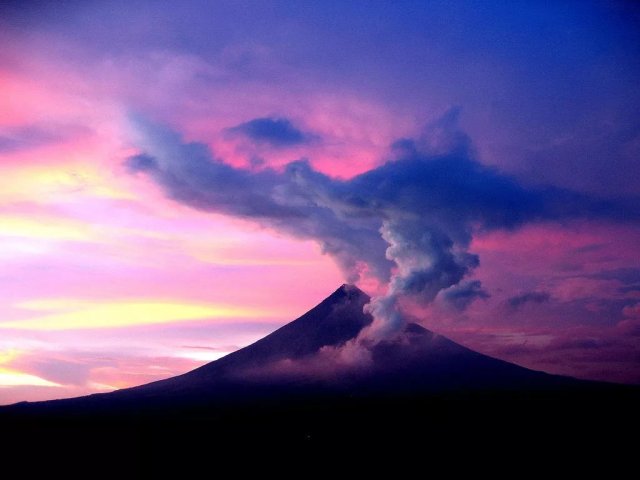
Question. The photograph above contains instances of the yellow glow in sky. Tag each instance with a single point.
(10, 378)
(73, 314)
(15, 226)
(7, 356)
(14, 378)
(31, 182)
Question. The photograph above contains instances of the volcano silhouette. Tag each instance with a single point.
(420, 391)
(289, 364)
(290, 361)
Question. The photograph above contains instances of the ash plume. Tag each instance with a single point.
(408, 222)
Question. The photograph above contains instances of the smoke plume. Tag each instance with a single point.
(409, 222)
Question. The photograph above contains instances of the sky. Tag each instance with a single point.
(178, 179)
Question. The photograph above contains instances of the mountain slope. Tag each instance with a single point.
(336, 320)
(287, 364)
(421, 362)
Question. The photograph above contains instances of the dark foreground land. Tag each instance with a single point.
(594, 430)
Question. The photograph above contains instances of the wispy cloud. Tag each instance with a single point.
(78, 314)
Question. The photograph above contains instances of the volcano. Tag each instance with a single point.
(302, 360)
(293, 388)
(290, 362)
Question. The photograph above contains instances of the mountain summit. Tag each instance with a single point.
(303, 359)
(294, 359)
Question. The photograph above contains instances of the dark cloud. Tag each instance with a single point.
(594, 247)
(276, 132)
(627, 276)
(589, 354)
(141, 163)
(630, 289)
(416, 214)
(529, 297)
(581, 343)
(462, 295)
(33, 136)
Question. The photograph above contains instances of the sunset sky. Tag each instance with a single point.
(155, 158)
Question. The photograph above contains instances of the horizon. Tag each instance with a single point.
(178, 181)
